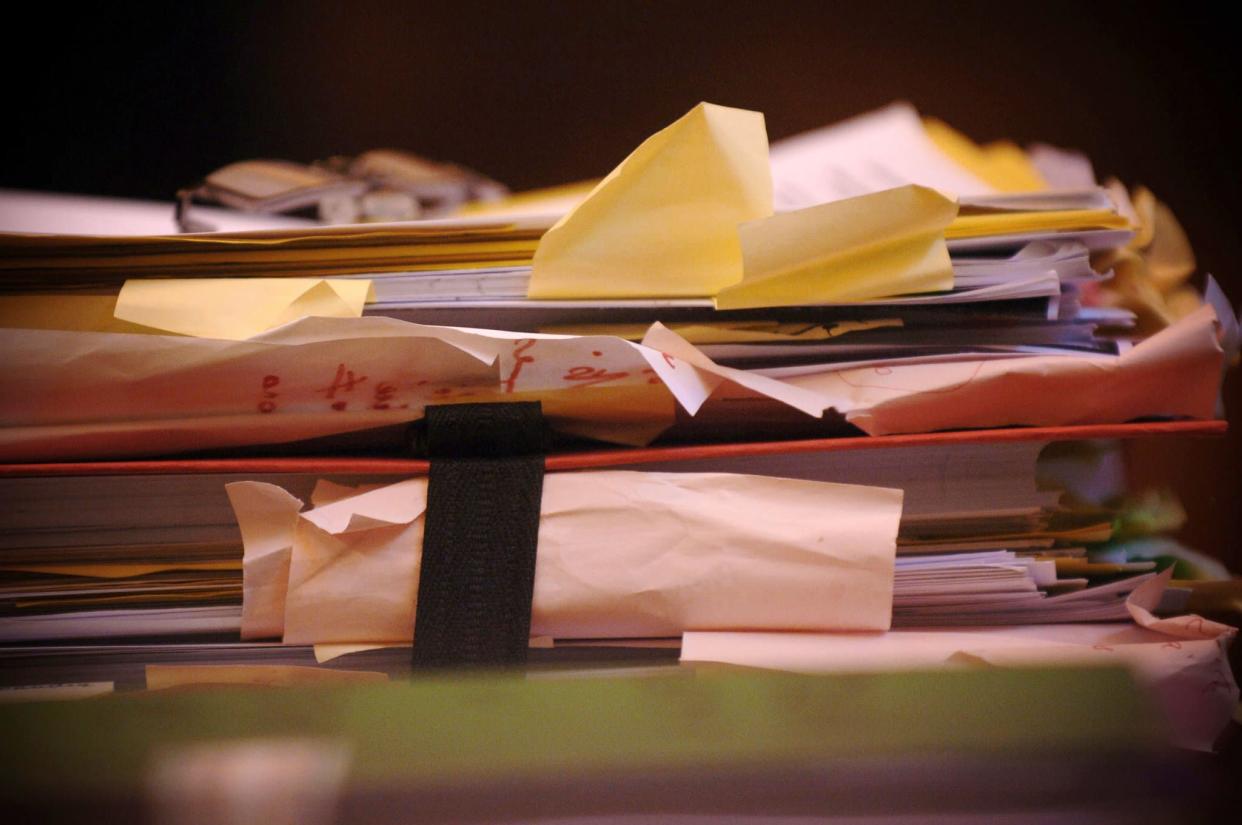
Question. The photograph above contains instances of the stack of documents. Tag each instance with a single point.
(882, 280)
(142, 549)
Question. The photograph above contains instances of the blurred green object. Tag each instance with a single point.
(484, 748)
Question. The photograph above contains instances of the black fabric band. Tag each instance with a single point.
(480, 535)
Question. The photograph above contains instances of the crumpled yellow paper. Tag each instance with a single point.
(700, 551)
(234, 309)
(664, 222)
(873, 246)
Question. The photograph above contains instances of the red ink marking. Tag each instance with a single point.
(587, 376)
(944, 391)
(384, 391)
(344, 380)
(339, 406)
(268, 404)
(596, 353)
(668, 359)
(420, 383)
(520, 346)
(442, 391)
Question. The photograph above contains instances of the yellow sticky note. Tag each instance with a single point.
(886, 243)
(664, 222)
(235, 309)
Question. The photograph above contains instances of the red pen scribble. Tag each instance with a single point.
(654, 379)
(588, 376)
(668, 359)
(942, 391)
(596, 353)
(520, 346)
(345, 380)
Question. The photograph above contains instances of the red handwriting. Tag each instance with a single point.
(384, 391)
(520, 347)
(268, 404)
(588, 376)
(344, 381)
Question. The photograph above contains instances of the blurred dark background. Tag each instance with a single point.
(138, 103)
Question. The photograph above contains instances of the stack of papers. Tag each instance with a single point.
(864, 280)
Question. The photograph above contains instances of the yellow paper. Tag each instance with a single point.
(701, 550)
(1007, 223)
(664, 222)
(551, 200)
(1003, 165)
(85, 313)
(886, 243)
(234, 309)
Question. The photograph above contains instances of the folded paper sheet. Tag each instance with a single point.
(664, 222)
(1174, 373)
(701, 551)
(83, 395)
(867, 153)
(874, 246)
(237, 308)
(76, 395)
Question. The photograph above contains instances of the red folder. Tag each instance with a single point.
(621, 457)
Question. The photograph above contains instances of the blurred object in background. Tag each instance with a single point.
(378, 186)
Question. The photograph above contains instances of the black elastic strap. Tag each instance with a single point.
(480, 534)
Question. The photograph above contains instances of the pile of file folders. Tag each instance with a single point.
(217, 446)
